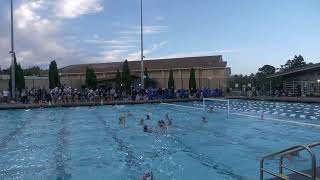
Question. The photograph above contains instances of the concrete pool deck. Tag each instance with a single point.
(46, 105)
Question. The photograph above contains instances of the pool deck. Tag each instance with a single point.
(281, 99)
(45, 105)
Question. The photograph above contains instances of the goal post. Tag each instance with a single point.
(215, 101)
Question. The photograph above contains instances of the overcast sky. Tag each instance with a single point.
(248, 33)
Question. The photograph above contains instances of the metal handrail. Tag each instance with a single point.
(281, 166)
(297, 172)
(286, 152)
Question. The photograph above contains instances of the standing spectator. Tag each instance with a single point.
(23, 96)
(48, 98)
(1, 97)
(6, 96)
(112, 94)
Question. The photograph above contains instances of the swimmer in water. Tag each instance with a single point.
(162, 124)
(147, 129)
(122, 119)
(148, 175)
(148, 116)
(204, 120)
(168, 120)
(141, 121)
(129, 113)
(167, 116)
(210, 110)
(292, 155)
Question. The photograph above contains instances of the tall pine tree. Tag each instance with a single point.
(126, 76)
(171, 80)
(118, 80)
(54, 79)
(19, 76)
(192, 81)
(91, 78)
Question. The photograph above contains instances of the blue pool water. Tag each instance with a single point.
(88, 143)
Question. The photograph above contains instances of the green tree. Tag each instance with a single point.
(54, 79)
(261, 78)
(171, 80)
(267, 69)
(126, 76)
(192, 81)
(91, 78)
(35, 70)
(261, 81)
(19, 76)
(296, 62)
(118, 80)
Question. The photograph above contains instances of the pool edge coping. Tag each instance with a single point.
(88, 104)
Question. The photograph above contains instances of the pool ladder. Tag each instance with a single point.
(288, 151)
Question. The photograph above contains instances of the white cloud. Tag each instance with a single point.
(40, 35)
(160, 18)
(96, 36)
(114, 44)
(120, 54)
(154, 29)
(137, 55)
(197, 53)
(103, 41)
(75, 8)
(110, 56)
(227, 51)
(38, 38)
(160, 45)
(147, 30)
(39, 31)
(28, 16)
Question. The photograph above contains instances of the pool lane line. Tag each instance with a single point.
(181, 106)
(258, 117)
(16, 132)
(206, 160)
(60, 153)
(130, 159)
(279, 120)
(202, 158)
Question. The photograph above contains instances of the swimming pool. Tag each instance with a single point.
(88, 143)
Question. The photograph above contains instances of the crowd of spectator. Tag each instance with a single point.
(68, 95)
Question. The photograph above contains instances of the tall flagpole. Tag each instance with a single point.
(142, 56)
(13, 78)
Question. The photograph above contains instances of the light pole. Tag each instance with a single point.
(13, 78)
(141, 23)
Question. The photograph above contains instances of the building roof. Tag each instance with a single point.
(296, 70)
(156, 64)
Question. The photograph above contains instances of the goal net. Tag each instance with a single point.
(211, 104)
